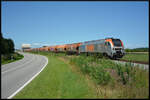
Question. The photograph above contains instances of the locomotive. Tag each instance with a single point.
(111, 47)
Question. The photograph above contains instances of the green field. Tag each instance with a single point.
(86, 77)
(137, 57)
(16, 56)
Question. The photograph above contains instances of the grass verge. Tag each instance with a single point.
(56, 81)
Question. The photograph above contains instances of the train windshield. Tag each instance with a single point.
(116, 42)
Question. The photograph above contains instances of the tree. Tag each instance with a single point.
(7, 45)
(10, 45)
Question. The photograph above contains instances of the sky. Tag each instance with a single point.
(62, 22)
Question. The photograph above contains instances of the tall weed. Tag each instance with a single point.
(96, 72)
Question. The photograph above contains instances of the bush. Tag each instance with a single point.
(97, 72)
(100, 75)
(7, 58)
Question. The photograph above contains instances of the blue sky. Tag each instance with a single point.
(53, 23)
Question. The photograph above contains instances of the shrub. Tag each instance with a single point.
(97, 72)
(100, 75)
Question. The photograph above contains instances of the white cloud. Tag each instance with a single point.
(36, 44)
(46, 44)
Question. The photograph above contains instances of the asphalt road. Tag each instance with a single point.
(15, 75)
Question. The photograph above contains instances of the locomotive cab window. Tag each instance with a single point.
(116, 42)
(108, 44)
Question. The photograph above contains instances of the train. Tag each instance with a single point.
(110, 47)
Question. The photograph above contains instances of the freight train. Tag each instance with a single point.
(110, 47)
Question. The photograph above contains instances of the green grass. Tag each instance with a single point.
(57, 81)
(126, 80)
(16, 56)
(87, 77)
(137, 57)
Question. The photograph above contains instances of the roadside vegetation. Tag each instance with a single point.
(71, 76)
(11, 58)
(7, 51)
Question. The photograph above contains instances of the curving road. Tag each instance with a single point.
(16, 75)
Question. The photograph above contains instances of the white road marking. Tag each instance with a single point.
(28, 81)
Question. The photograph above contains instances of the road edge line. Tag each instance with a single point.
(28, 81)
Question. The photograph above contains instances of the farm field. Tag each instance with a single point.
(144, 57)
(86, 77)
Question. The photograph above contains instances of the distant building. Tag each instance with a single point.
(25, 47)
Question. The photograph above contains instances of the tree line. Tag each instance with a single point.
(7, 46)
(137, 50)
